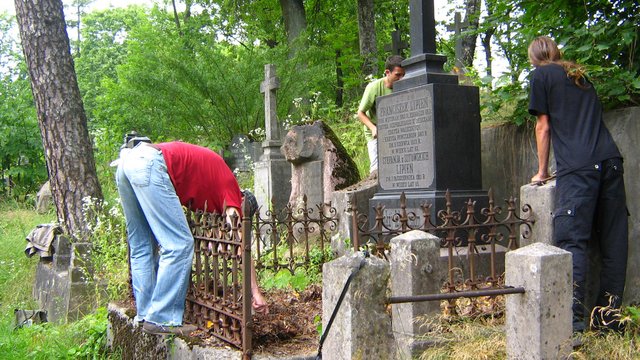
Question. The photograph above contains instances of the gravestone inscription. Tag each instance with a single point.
(405, 134)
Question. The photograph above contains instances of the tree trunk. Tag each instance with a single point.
(63, 123)
(339, 80)
(295, 22)
(367, 36)
(472, 19)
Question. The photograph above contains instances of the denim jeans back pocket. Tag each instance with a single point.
(138, 170)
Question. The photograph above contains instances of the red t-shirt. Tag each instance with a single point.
(202, 179)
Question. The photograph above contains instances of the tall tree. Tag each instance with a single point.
(472, 19)
(367, 36)
(61, 117)
(295, 22)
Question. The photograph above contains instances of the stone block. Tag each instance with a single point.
(538, 322)
(44, 198)
(362, 327)
(272, 182)
(342, 200)
(541, 199)
(50, 290)
(416, 269)
(319, 162)
(62, 253)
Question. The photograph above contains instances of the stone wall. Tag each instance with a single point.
(509, 160)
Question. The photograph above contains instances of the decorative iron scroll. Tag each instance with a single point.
(286, 237)
(457, 230)
(220, 277)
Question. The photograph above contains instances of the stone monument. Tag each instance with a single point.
(428, 129)
(273, 171)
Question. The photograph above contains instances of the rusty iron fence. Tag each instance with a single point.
(467, 228)
(219, 295)
(286, 238)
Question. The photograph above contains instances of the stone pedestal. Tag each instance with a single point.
(272, 181)
(538, 322)
(428, 143)
(342, 200)
(416, 269)
(362, 327)
(64, 286)
(540, 198)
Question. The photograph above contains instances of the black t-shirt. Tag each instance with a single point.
(578, 135)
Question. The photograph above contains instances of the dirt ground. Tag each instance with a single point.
(290, 328)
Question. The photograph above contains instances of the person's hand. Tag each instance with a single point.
(259, 303)
(539, 178)
(374, 132)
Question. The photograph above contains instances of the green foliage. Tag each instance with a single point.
(299, 279)
(21, 156)
(600, 34)
(107, 229)
(103, 47)
(93, 330)
(84, 339)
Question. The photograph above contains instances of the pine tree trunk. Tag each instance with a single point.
(61, 116)
(367, 36)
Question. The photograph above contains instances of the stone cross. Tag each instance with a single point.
(422, 27)
(268, 88)
(457, 28)
(397, 45)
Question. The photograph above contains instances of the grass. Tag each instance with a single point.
(482, 338)
(485, 338)
(83, 339)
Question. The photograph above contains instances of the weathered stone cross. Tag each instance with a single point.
(457, 28)
(397, 45)
(268, 88)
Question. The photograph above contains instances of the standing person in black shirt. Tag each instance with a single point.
(590, 196)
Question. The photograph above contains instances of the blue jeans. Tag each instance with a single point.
(160, 242)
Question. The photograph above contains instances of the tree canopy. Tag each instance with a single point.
(193, 72)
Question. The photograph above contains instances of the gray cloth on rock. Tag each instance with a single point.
(39, 240)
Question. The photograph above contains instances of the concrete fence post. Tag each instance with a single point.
(540, 198)
(538, 322)
(362, 327)
(416, 269)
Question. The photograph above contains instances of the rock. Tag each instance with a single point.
(44, 199)
(320, 164)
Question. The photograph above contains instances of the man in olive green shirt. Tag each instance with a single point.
(367, 109)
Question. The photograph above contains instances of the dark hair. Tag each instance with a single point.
(393, 61)
(251, 202)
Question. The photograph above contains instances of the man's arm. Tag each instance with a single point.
(258, 301)
(543, 142)
(367, 122)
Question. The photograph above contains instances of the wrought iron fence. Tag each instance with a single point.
(219, 294)
(467, 228)
(285, 238)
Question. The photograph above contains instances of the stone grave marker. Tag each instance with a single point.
(243, 153)
(428, 130)
(273, 171)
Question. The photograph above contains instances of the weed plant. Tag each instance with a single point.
(301, 277)
(109, 238)
(84, 339)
